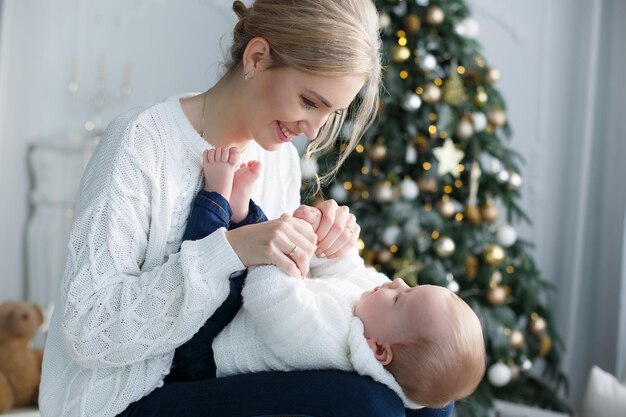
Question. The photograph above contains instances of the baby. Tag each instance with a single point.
(425, 343)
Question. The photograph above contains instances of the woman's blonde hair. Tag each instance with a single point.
(322, 37)
(434, 372)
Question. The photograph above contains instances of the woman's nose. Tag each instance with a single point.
(311, 127)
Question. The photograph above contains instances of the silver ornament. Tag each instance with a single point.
(499, 374)
(390, 235)
(507, 236)
(339, 193)
(480, 121)
(411, 102)
(516, 180)
(429, 62)
(409, 189)
(464, 129)
(309, 168)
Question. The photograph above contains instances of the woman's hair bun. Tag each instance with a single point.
(240, 9)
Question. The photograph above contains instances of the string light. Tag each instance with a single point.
(347, 185)
(427, 166)
(461, 70)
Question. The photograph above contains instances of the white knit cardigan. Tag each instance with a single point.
(130, 293)
(288, 324)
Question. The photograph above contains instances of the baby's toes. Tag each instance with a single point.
(210, 155)
(234, 156)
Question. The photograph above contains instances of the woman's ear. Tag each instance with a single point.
(382, 351)
(256, 56)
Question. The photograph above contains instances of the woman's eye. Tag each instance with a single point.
(308, 103)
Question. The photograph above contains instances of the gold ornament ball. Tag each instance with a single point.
(378, 152)
(517, 339)
(496, 296)
(431, 93)
(383, 192)
(471, 267)
(493, 75)
(444, 246)
(400, 53)
(481, 97)
(384, 256)
(435, 15)
(472, 213)
(545, 344)
(537, 326)
(412, 23)
(489, 212)
(497, 117)
(446, 208)
(427, 184)
(494, 255)
(465, 129)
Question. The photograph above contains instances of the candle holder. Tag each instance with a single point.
(100, 97)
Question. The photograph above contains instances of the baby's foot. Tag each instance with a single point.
(243, 185)
(219, 166)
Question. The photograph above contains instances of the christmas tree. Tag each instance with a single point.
(435, 190)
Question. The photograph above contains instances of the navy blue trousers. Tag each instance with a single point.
(191, 389)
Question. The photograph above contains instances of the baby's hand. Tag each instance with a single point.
(310, 215)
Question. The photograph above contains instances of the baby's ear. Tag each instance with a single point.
(382, 351)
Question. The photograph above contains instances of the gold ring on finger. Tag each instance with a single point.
(293, 250)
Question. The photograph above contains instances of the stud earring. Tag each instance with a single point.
(248, 75)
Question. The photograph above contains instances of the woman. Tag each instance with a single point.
(132, 294)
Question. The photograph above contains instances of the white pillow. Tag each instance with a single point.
(605, 396)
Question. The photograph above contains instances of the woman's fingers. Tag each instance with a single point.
(336, 236)
(329, 210)
(345, 242)
(287, 242)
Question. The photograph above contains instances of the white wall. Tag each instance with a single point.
(173, 47)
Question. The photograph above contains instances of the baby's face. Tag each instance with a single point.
(396, 313)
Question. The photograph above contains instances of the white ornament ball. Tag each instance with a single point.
(480, 121)
(453, 286)
(471, 28)
(429, 62)
(464, 130)
(390, 235)
(499, 374)
(516, 180)
(411, 154)
(503, 176)
(383, 193)
(507, 236)
(411, 102)
(309, 168)
(409, 189)
(384, 20)
(339, 193)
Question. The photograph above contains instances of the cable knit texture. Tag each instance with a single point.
(290, 324)
(130, 293)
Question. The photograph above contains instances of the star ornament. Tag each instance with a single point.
(449, 158)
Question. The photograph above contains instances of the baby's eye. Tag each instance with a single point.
(395, 300)
(308, 103)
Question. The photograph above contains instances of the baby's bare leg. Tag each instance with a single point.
(243, 185)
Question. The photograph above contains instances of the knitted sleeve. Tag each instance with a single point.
(295, 318)
(124, 298)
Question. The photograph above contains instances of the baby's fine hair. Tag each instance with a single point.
(321, 37)
(434, 372)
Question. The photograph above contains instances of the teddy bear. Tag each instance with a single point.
(20, 365)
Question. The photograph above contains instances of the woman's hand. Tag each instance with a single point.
(287, 242)
(336, 230)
